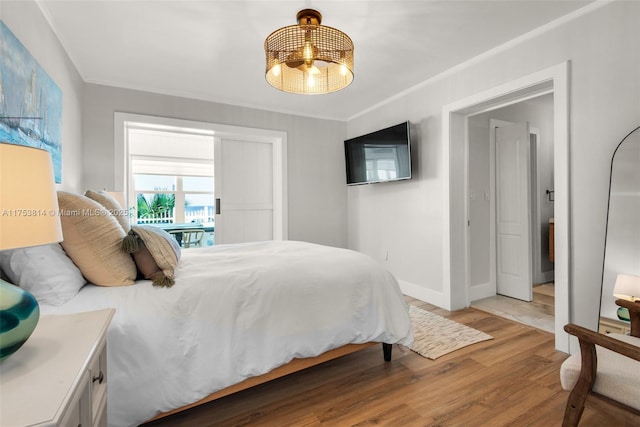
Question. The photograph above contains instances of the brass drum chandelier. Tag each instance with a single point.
(309, 58)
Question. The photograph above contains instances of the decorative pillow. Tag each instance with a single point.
(92, 239)
(112, 205)
(45, 271)
(155, 252)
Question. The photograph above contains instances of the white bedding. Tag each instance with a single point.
(237, 311)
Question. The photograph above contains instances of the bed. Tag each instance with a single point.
(237, 315)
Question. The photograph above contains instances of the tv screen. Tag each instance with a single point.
(380, 156)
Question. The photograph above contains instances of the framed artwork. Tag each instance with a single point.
(30, 101)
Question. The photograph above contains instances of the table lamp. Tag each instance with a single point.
(29, 216)
(627, 287)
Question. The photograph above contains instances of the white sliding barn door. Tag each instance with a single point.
(244, 191)
(513, 210)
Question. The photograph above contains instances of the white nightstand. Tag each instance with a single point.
(59, 376)
(613, 326)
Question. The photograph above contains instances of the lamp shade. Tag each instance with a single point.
(29, 216)
(627, 287)
(29, 213)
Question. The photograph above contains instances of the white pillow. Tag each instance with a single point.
(46, 271)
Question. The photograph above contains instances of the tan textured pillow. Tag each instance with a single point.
(112, 205)
(156, 253)
(93, 240)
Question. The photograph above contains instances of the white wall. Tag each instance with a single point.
(316, 175)
(27, 23)
(479, 205)
(405, 218)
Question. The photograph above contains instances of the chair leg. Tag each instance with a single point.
(578, 396)
(574, 409)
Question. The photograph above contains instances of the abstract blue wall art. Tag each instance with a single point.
(30, 101)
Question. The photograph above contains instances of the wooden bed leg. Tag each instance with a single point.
(386, 350)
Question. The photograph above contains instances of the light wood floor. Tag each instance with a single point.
(512, 380)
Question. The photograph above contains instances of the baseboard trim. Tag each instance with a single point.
(483, 290)
(423, 294)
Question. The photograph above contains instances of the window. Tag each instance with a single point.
(173, 199)
(171, 177)
(382, 163)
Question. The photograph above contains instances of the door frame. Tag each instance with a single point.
(278, 140)
(455, 274)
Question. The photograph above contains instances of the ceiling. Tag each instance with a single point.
(214, 50)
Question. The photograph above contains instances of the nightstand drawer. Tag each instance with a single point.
(613, 326)
(98, 374)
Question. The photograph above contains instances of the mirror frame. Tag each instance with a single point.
(606, 233)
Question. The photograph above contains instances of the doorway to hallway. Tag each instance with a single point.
(514, 203)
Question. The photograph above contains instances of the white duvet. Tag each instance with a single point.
(237, 311)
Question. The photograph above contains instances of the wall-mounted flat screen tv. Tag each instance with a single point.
(380, 156)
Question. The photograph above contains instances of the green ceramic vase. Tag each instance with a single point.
(19, 314)
(623, 314)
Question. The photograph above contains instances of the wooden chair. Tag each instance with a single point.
(189, 238)
(605, 375)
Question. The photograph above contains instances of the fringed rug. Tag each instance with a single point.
(435, 336)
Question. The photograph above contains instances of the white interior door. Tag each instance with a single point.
(244, 191)
(513, 210)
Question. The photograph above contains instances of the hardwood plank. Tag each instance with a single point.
(508, 381)
(294, 366)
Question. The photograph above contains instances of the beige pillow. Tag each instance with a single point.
(93, 240)
(155, 252)
(112, 205)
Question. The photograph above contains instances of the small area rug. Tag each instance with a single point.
(435, 336)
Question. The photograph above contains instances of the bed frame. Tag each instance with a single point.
(295, 365)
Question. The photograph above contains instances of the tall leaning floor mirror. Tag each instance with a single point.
(622, 243)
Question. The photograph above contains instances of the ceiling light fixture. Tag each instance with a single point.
(309, 58)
